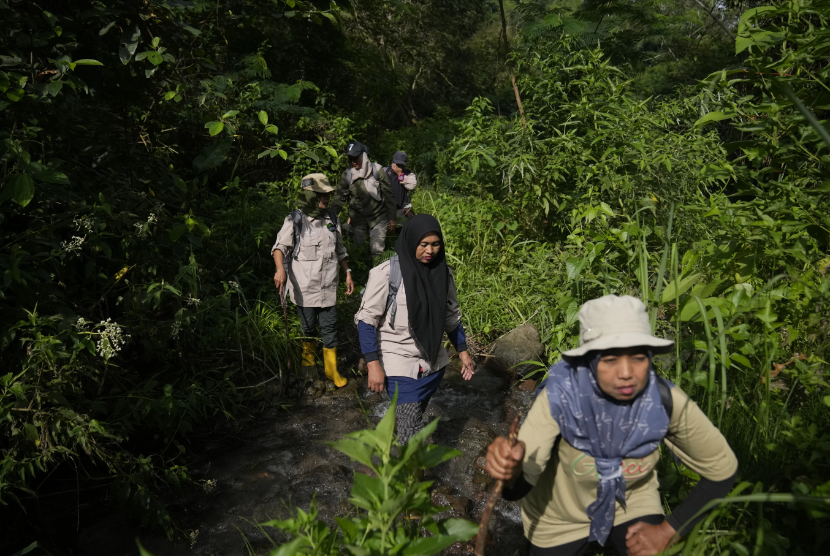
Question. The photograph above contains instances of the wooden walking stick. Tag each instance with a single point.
(495, 494)
(283, 294)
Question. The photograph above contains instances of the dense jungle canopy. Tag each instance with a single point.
(675, 150)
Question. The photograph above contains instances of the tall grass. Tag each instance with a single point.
(730, 355)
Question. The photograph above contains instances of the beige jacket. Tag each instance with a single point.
(313, 278)
(397, 352)
(565, 482)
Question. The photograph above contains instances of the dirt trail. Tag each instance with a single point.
(279, 459)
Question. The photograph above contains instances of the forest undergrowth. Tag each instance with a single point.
(149, 156)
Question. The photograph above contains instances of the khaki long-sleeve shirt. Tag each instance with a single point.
(397, 351)
(565, 482)
(314, 276)
(362, 206)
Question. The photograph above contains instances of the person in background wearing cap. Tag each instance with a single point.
(365, 188)
(313, 276)
(403, 183)
(584, 466)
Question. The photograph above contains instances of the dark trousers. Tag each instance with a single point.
(577, 548)
(327, 318)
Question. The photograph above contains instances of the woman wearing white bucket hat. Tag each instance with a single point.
(584, 466)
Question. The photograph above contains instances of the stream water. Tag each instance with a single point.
(279, 460)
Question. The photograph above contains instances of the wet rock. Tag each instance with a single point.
(306, 374)
(281, 458)
(527, 385)
(472, 436)
(347, 391)
(457, 506)
(520, 344)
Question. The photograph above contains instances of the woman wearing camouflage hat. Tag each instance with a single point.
(308, 250)
(584, 466)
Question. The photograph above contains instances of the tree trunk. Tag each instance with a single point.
(510, 63)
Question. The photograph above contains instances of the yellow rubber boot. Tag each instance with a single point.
(330, 360)
(309, 353)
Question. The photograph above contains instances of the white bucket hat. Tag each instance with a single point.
(615, 322)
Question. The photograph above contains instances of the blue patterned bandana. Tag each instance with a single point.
(606, 429)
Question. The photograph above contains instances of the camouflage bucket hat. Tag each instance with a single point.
(317, 183)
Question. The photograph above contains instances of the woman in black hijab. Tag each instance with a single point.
(409, 303)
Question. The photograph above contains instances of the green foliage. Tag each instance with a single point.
(386, 500)
(126, 234)
(149, 153)
(723, 235)
(579, 146)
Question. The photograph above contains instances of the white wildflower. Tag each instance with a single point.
(80, 323)
(209, 485)
(194, 535)
(84, 224)
(140, 229)
(112, 339)
(174, 330)
(192, 300)
(152, 219)
(74, 245)
(234, 284)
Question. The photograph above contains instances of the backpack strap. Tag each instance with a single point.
(332, 215)
(665, 395)
(297, 220)
(395, 278)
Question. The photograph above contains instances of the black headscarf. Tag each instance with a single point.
(426, 285)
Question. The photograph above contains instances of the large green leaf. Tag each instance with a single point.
(356, 450)
(367, 492)
(446, 531)
(381, 438)
(459, 529)
(128, 43)
(141, 550)
(678, 287)
(574, 267)
(20, 188)
(713, 117)
(51, 176)
(87, 62)
(290, 548)
(751, 13)
(433, 455)
(212, 156)
(214, 128)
